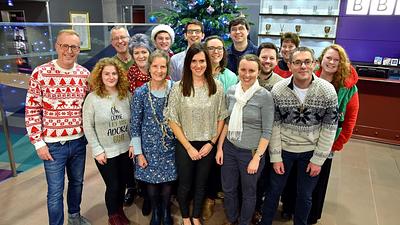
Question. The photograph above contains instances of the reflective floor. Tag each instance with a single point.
(364, 190)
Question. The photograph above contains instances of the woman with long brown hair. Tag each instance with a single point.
(195, 113)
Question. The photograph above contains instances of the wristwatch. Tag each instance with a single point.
(211, 143)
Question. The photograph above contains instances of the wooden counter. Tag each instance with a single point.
(379, 114)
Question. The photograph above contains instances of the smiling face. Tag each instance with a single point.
(268, 60)
(248, 73)
(198, 64)
(286, 48)
(239, 33)
(140, 56)
(67, 56)
(158, 69)
(163, 41)
(193, 34)
(330, 61)
(302, 67)
(215, 50)
(109, 76)
(120, 40)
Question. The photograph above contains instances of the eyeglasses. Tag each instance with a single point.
(194, 32)
(65, 47)
(119, 38)
(212, 48)
(306, 62)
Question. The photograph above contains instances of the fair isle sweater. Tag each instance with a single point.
(53, 109)
(310, 126)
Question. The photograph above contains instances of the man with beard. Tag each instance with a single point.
(268, 54)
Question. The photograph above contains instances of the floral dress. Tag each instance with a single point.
(156, 139)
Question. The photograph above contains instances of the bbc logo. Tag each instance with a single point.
(373, 7)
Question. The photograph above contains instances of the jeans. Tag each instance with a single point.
(305, 187)
(233, 174)
(69, 157)
(115, 175)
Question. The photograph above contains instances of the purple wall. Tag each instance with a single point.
(365, 37)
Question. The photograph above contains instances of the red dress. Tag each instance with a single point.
(136, 78)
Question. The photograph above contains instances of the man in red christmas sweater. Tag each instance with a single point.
(53, 117)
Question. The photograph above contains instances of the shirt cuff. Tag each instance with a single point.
(39, 144)
(137, 145)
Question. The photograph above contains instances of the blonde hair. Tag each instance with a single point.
(67, 31)
(96, 81)
(344, 65)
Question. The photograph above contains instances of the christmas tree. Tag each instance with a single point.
(214, 14)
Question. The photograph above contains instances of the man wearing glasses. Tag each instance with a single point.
(53, 118)
(239, 30)
(120, 41)
(304, 129)
(194, 33)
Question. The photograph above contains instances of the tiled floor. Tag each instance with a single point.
(364, 190)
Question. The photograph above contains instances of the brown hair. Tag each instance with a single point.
(252, 58)
(238, 20)
(158, 54)
(195, 22)
(267, 45)
(224, 60)
(344, 65)
(292, 37)
(187, 79)
(96, 81)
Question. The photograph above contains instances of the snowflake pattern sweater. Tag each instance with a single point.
(310, 126)
(53, 108)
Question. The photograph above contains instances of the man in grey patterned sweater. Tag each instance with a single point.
(304, 130)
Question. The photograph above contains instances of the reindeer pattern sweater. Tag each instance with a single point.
(53, 108)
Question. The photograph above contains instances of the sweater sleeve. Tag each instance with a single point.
(137, 120)
(33, 111)
(89, 125)
(275, 144)
(267, 118)
(349, 123)
(328, 129)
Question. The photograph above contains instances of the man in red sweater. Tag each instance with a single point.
(53, 117)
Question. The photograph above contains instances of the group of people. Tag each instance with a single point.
(208, 119)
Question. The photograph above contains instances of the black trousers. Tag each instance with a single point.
(192, 178)
(319, 192)
(288, 197)
(214, 179)
(114, 174)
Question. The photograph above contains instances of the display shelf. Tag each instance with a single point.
(301, 36)
(315, 21)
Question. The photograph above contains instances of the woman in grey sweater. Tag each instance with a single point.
(106, 116)
(244, 139)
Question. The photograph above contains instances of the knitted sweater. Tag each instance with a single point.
(53, 109)
(310, 126)
(107, 127)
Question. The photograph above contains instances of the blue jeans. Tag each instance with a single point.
(71, 157)
(305, 187)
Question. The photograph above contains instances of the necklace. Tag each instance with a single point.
(162, 123)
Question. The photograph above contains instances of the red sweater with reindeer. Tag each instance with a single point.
(53, 109)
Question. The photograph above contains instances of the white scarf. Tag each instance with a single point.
(235, 127)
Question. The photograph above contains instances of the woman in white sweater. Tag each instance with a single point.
(106, 116)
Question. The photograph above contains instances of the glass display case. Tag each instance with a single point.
(314, 20)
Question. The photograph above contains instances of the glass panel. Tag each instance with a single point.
(24, 46)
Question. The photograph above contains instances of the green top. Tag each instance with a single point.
(227, 78)
(126, 65)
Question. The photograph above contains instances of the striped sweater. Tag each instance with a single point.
(310, 126)
(53, 108)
